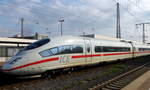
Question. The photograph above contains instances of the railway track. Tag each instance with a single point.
(118, 82)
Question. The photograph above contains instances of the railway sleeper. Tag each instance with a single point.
(112, 88)
(118, 82)
(114, 85)
(118, 85)
(103, 89)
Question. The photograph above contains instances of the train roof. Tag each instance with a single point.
(111, 38)
(101, 37)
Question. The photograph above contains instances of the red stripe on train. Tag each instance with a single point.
(81, 56)
(95, 55)
(117, 53)
(38, 62)
(142, 52)
(78, 56)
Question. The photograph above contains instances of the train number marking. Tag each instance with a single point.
(65, 59)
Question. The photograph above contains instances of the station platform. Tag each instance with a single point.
(1, 63)
(141, 83)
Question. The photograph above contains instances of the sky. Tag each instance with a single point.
(89, 16)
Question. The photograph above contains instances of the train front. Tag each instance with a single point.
(23, 62)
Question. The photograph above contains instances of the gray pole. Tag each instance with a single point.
(83, 33)
(22, 20)
(143, 33)
(49, 34)
(143, 25)
(61, 28)
(61, 22)
(118, 31)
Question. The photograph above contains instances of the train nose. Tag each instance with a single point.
(9, 66)
(6, 68)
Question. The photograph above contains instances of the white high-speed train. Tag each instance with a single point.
(68, 51)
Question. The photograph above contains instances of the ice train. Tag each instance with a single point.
(69, 51)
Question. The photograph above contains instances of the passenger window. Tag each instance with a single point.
(54, 51)
(111, 49)
(108, 49)
(77, 49)
(49, 52)
(67, 49)
(144, 49)
(45, 53)
(98, 49)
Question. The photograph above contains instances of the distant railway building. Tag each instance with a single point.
(10, 46)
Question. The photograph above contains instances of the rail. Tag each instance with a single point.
(117, 80)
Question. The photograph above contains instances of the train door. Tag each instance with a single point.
(133, 50)
(88, 50)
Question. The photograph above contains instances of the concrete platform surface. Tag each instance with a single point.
(141, 83)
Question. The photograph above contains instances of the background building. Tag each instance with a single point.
(10, 46)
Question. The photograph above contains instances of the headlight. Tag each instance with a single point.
(15, 60)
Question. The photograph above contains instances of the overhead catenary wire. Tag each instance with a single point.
(12, 6)
(129, 12)
(41, 25)
(135, 3)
